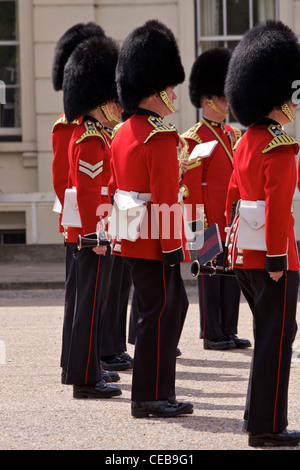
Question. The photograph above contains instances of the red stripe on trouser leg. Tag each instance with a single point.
(280, 352)
(158, 333)
(92, 322)
(203, 307)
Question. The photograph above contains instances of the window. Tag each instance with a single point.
(222, 23)
(12, 228)
(12, 237)
(10, 103)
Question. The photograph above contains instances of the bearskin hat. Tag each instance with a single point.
(262, 70)
(66, 45)
(89, 76)
(149, 62)
(208, 74)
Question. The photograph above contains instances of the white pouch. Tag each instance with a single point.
(71, 216)
(251, 231)
(128, 212)
(57, 206)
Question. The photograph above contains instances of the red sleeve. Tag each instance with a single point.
(60, 165)
(192, 180)
(61, 136)
(112, 185)
(280, 177)
(162, 163)
(233, 195)
(89, 157)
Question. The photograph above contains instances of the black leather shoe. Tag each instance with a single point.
(160, 408)
(178, 352)
(115, 363)
(110, 376)
(239, 342)
(283, 439)
(218, 344)
(99, 390)
(124, 355)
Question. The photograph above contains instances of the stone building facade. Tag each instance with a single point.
(29, 30)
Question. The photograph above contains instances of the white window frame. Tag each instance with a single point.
(225, 37)
(11, 131)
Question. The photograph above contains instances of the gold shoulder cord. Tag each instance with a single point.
(192, 135)
(218, 138)
(184, 153)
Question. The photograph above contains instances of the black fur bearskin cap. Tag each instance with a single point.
(208, 74)
(149, 62)
(66, 45)
(89, 77)
(262, 70)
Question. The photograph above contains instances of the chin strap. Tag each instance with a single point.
(108, 115)
(163, 95)
(211, 103)
(287, 112)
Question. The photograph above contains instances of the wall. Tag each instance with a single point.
(26, 173)
(26, 168)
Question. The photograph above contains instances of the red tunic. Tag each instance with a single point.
(61, 135)
(88, 150)
(144, 160)
(265, 169)
(106, 198)
(207, 179)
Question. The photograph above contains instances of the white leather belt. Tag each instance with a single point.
(147, 197)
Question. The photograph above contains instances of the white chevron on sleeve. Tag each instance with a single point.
(91, 170)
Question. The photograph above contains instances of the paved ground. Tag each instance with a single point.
(38, 413)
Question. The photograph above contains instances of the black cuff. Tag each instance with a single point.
(173, 257)
(276, 263)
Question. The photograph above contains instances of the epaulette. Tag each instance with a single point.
(91, 130)
(63, 120)
(159, 126)
(280, 137)
(116, 128)
(192, 133)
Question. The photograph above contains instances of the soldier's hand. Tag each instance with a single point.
(276, 275)
(101, 250)
(184, 165)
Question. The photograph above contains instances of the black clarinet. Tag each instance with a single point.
(86, 242)
(197, 269)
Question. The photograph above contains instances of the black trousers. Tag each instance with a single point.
(70, 295)
(219, 301)
(134, 314)
(274, 306)
(113, 340)
(159, 296)
(92, 277)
